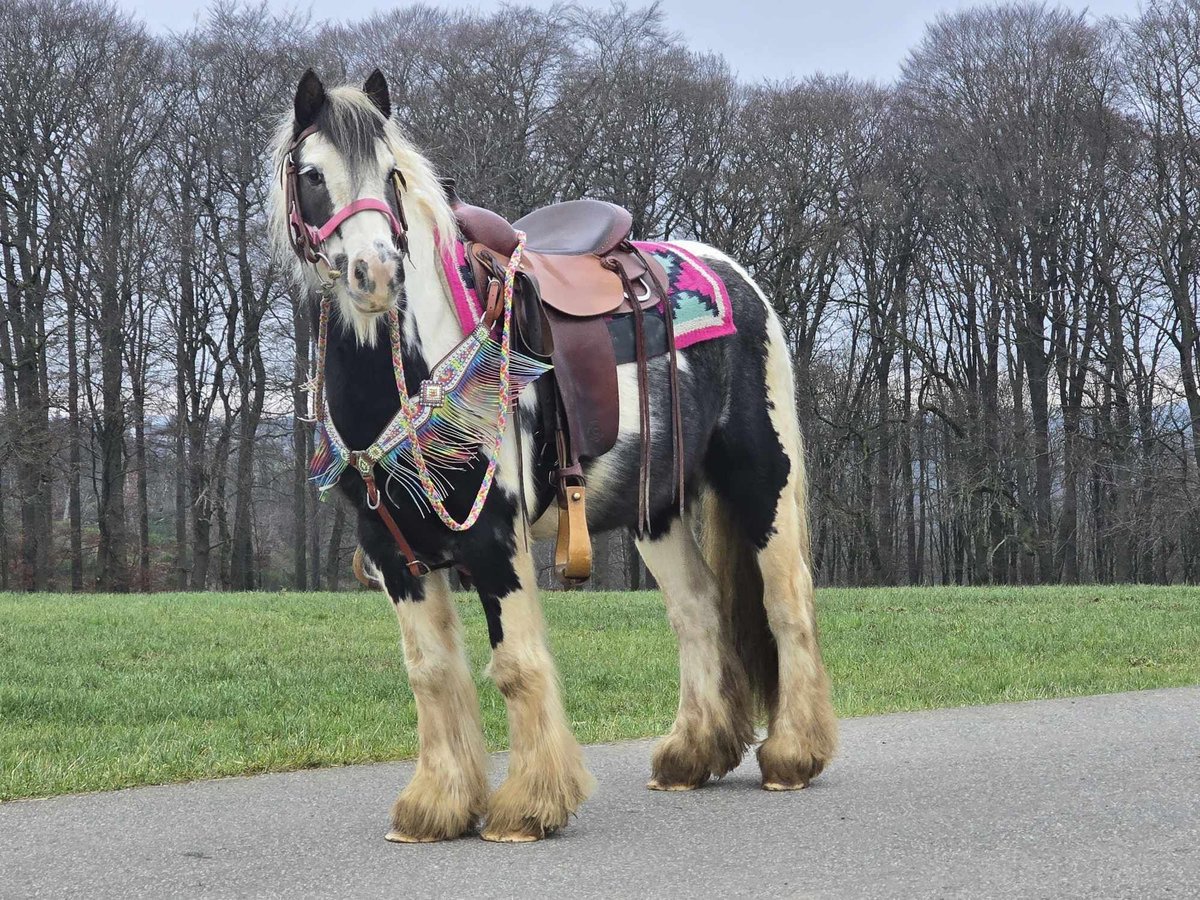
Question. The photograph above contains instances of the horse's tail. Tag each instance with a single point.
(800, 496)
(731, 558)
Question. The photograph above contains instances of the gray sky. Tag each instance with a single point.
(760, 38)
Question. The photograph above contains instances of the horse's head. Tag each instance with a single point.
(353, 198)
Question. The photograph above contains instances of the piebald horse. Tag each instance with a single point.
(740, 601)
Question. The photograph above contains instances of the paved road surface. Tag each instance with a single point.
(1091, 797)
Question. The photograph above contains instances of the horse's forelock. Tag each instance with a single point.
(352, 125)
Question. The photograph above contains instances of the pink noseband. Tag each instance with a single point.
(319, 236)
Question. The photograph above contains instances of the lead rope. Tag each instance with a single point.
(428, 485)
(318, 381)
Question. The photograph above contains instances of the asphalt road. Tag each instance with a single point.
(1090, 797)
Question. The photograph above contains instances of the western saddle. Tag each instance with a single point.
(579, 272)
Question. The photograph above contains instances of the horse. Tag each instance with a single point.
(362, 222)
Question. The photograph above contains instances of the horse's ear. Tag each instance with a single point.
(376, 87)
(310, 97)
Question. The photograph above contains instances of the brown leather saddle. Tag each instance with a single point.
(578, 269)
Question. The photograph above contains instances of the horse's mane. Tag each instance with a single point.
(351, 122)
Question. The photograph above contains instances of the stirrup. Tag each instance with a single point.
(573, 549)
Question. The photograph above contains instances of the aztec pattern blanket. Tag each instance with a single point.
(699, 301)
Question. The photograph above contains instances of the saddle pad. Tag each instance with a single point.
(699, 301)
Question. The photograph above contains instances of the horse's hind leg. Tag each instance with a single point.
(802, 730)
(547, 781)
(448, 791)
(713, 726)
(756, 540)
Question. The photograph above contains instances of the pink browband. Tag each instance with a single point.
(319, 236)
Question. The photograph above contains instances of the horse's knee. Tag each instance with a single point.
(519, 677)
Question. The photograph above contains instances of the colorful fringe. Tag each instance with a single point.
(450, 434)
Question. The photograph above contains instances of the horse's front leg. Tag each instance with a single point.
(547, 781)
(448, 791)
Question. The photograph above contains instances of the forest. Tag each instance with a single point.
(987, 270)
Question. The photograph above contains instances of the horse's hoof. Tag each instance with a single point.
(655, 785)
(780, 786)
(786, 766)
(511, 837)
(398, 837)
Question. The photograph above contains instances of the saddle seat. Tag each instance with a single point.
(572, 228)
(576, 228)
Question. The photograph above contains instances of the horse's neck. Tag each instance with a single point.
(430, 324)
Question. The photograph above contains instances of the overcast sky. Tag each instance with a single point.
(760, 38)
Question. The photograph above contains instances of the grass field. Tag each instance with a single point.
(100, 692)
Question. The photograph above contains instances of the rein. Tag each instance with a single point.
(443, 427)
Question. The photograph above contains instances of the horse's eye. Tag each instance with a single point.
(312, 176)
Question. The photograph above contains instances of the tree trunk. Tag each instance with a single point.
(183, 563)
(75, 439)
(333, 560)
(113, 561)
(141, 464)
(1030, 340)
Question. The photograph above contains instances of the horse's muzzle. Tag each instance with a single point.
(373, 280)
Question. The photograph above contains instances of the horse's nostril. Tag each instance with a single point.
(361, 272)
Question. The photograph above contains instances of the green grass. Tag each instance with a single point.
(100, 692)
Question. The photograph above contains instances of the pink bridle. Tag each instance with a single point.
(319, 236)
(307, 241)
